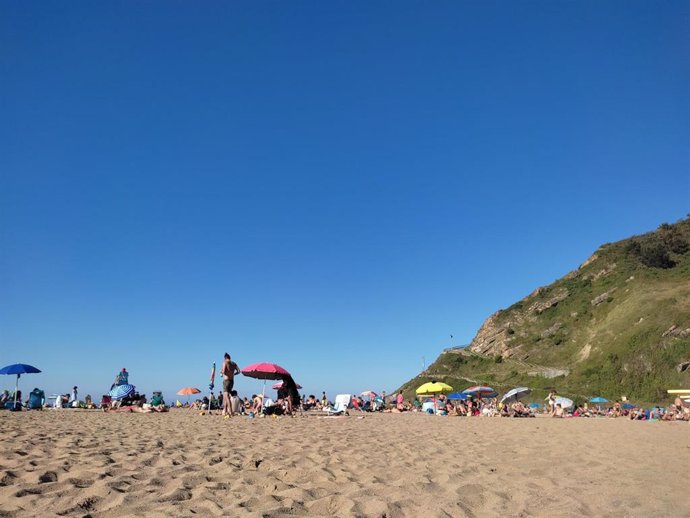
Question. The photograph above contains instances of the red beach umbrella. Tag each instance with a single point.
(265, 371)
(279, 385)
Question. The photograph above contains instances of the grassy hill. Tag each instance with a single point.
(618, 325)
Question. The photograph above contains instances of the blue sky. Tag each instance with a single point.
(336, 187)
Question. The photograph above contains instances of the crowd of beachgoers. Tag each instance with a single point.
(477, 401)
(260, 405)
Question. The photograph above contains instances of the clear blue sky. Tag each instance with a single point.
(332, 186)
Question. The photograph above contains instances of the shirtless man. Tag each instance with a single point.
(228, 371)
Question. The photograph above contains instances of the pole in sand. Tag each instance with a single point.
(211, 385)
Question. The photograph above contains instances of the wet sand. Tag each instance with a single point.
(91, 464)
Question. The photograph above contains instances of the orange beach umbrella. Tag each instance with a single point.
(188, 391)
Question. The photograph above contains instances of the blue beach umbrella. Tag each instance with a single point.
(18, 369)
(598, 400)
(121, 392)
(458, 396)
(627, 406)
(535, 405)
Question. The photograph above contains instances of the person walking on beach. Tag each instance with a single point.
(228, 371)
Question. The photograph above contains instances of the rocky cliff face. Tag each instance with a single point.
(497, 336)
(619, 322)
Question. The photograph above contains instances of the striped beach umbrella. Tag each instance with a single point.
(121, 392)
(481, 391)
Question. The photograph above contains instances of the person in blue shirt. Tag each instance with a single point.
(122, 378)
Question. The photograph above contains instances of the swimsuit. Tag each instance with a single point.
(228, 384)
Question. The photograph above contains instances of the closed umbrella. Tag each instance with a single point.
(18, 369)
(121, 391)
(515, 394)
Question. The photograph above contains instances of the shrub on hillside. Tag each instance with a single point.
(656, 256)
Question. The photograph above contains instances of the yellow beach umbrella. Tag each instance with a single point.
(434, 387)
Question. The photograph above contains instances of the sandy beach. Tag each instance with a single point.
(91, 464)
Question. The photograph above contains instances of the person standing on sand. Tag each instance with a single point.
(228, 371)
(73, 397)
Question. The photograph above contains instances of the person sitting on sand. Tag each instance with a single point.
(685, 416)
(400, 401)
(257, 407)
(520, 410)
(236, 406)
(10, 403)
(551, 401)
(310, 402)
(558, 411)
(4, 398)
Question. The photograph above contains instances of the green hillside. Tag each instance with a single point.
(618, 325)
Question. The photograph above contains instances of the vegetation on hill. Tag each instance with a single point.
(618, 325)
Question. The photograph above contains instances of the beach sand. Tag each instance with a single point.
(92, 464)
